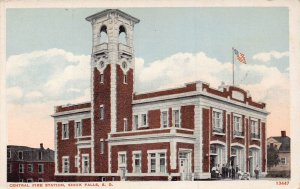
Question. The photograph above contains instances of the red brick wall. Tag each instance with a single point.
(72, 107)
(86, 127)
(101, 127)
(47, 175)
(124, 99)
(187, 117)
(138, 147)
(228, 136)
(263, 147)
(66, 147)
(205, 139)
(154, 119)
(170, 117)
(247, 134)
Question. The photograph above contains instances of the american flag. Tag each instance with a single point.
(240, 56)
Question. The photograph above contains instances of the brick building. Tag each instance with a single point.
(283, 144)
(182, 131)
(25, 164)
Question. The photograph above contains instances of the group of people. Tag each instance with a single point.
(232, 172)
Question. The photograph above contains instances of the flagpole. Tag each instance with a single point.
(232, 66)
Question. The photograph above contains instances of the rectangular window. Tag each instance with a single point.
(86, 164)
(152, 163)
(78, 129)
(30, 168)
(9, 168)
(125, 79)
(65, 164)
(164, 119)
(144, 120)
(76, 161)
(217, 122)
(101, 78)
(136, 121)
(283, 161)
(237, 122)
(101, 112)
(8, 154)
(20, 155)
(162, 162)
(21, 168)
(40, 155)
(176, 118)
(41, 168)
(65, 130)
(254, 129)
(125, 124)
(122, 158)
(137, 162)
(101, 147)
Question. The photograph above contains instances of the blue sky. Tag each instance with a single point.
(48, 54)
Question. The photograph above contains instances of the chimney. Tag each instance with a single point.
(41, 146)
(283, 134)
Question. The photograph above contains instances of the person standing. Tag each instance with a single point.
(256, 171)
(223, 171)
(233, 173)
(229, 171)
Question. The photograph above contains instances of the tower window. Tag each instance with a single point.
(102, 146)
(103, 35)
(125, 124)
(101, 78)
(101, 112)
(125, 79)
(20, 155)
(65, 131)
(122, 35)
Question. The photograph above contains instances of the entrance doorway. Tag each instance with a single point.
(122, 173)
(185, 165)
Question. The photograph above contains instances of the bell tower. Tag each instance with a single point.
(112, 71)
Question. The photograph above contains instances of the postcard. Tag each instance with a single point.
(128, 94)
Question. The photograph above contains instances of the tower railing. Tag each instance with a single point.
(125, 48)
(100, 48)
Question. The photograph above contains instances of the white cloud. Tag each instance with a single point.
(34, 95)
(14, 93)
(266, 56)
(73, 90)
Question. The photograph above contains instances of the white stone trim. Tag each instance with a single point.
(254, 146)
(161, 118)
(92, 116)
(173, 116)
(65, 118)
(173, 154)
(237, 144)
(82, 162)
(218, 142)
(82, 110)
(113, 94)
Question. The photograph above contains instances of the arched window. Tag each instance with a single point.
(103, 35)
(122, 35)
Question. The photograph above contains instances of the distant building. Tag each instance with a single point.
(122, 135)
(282, 143)
(26, 164)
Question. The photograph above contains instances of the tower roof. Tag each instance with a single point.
(108, 11)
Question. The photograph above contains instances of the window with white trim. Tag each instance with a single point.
(164, 119)
(122, 159)
(30, 168)
(78, 129)
(176, 118)
(40, 155)
(40, 180)
(65, 131)
(137, 162)
(30, 180)
(238, 127)
(102, 112)
(76, 161)
(283, 160)
(125, 79)
(40, 168)
(101, 78)
(20, 155)
(102, 146)
(125, 124)
(9, 168)
(21, 168)
(157, 162)
(66, 164)
(254, 129)
(144, 120)
(85, 163)
(136, 122)
(217, 121)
